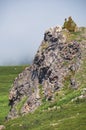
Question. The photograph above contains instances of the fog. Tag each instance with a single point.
(23, 23)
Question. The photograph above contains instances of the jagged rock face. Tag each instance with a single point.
(55, 60)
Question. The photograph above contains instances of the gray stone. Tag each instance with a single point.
(2, 127)
(55, 60)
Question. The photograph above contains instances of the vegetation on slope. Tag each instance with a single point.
(70, 116)
(66, 112)
(7, 76)
(70, 25)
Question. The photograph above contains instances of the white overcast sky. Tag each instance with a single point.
(23, 23)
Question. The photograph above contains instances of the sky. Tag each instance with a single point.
(23, 23)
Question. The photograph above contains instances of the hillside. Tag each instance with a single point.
(50, 94)
(7, 76)
(64, 115)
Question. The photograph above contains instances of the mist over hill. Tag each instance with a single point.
(23, 22)
(16, 61)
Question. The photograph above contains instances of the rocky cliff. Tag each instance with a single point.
(58, 58)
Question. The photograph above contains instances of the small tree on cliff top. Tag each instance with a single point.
(70, 25)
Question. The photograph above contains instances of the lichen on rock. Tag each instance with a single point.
(55, 59)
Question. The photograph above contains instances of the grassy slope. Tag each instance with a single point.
(60, 114)
(7, 75)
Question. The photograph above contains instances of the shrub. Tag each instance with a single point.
(70, 25)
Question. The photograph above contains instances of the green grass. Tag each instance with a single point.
(69, 117)
(79, 35)
(63, 113)
(60, 114)
(7, 76)
(20, 104)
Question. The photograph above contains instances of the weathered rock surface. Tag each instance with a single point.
(56, 59)
(2, 127)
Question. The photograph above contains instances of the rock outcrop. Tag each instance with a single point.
(2, 127)
(56, 60)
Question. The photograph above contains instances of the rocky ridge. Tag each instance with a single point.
(57, 58)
